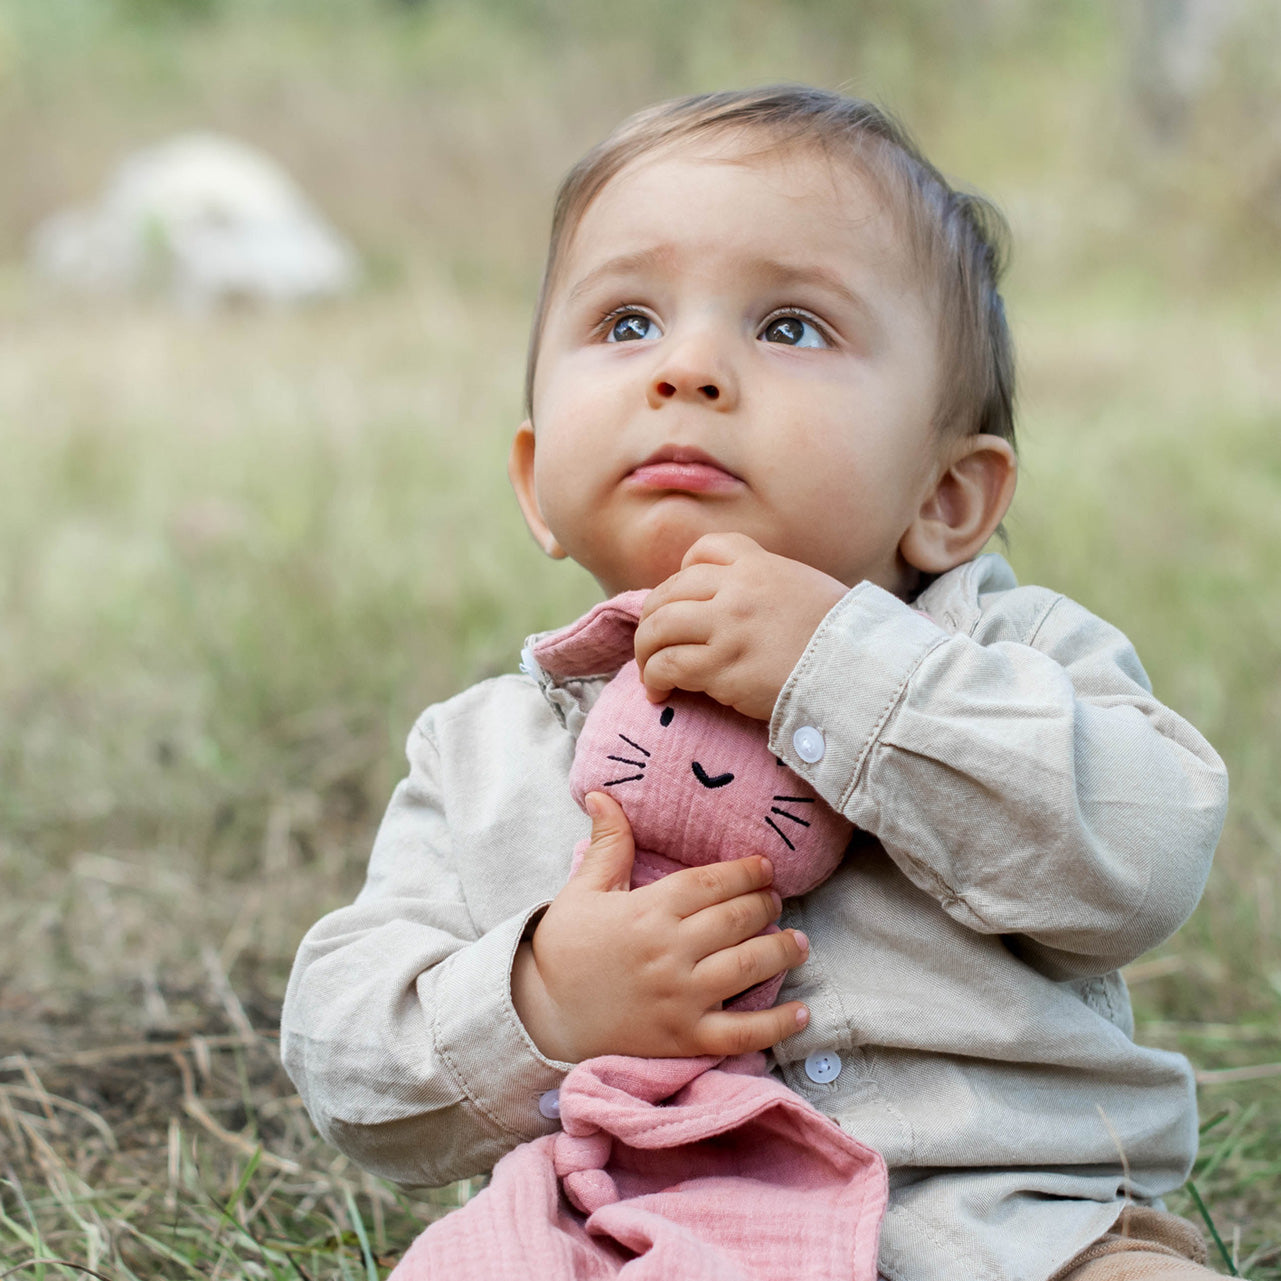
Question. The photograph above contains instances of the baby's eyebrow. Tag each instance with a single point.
(775, 274)
(785, 274)
(621, 265)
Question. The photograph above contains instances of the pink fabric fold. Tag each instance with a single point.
(670, 1168)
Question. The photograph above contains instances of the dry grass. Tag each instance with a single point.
(185, 1155)
(238, 554)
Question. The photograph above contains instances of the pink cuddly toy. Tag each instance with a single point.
(693, 1168)
(697, 781)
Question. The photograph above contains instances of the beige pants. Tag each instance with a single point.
(1145, 1245)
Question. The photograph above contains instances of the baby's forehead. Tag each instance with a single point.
(818, 188)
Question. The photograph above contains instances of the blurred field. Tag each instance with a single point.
(238, 554)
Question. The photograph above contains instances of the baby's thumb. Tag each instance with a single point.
(606, 863)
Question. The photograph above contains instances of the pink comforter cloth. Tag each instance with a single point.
(669, 1169)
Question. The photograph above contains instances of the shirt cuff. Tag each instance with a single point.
(848, 681)
(481, 1038)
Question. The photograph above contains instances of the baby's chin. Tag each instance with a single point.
(613, 582)
(645, 564)
(652, 550)
(639, 572)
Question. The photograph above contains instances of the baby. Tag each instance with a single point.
(770, 378)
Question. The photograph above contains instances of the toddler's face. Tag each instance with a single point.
(734, 343)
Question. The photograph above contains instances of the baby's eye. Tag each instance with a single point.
(794, 331)
(631, 326)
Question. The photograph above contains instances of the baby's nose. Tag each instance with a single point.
(694, 367)
(708, 780)
(709, 391)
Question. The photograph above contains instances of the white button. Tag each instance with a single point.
(549, 1105)
(809, 744)
(822, 1067)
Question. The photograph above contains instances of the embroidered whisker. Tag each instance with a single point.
(773, 809)
(799, 800)
(631, 778)
(780, 832)
(636, 745)
(625, 761)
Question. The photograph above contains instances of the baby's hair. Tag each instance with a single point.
(956, 238)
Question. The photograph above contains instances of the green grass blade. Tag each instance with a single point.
(1204, 1211)
(371, 1268)
(248, 1174)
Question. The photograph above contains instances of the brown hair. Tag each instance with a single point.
(957, 238)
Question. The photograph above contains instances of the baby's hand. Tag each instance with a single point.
(612, 970)
(732, 622)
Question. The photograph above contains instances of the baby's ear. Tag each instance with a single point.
(520, 469)
(598, 644)
(963, 509)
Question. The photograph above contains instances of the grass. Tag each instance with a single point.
(239, 553)
(196, 1198)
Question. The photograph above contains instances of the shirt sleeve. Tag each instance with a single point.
(1034, 787)
(398, 1026)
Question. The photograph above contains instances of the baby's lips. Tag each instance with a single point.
(690, 478)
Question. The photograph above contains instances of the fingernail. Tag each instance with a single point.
(767, 867)
(778, 901)
(802, 1017)
(591, 803)
(801, 940)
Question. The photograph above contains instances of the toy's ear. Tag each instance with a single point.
(600, 642)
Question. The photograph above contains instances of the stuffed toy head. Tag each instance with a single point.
(697, 781)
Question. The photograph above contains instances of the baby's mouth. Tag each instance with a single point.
(683, 469)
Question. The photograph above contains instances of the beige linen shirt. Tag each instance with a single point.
(1030, 820)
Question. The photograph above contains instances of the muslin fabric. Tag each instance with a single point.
(669, 1168)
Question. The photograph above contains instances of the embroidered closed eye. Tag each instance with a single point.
(709, 780)
(627, 760)
(787, 814)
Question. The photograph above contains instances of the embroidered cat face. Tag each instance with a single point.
(697, 781)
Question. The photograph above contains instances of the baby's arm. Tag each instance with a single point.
(1017, 769)
(1014, 764)
(611, 970)
(397, 1026)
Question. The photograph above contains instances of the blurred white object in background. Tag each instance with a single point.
(203, 219)
(1175, 52)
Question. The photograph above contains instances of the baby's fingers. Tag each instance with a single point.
(725, 924)
(728, 1032)
(734, 969)
(682, 622)
(607, 862)
(696, 584)
(694, 888)
(687, 667)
